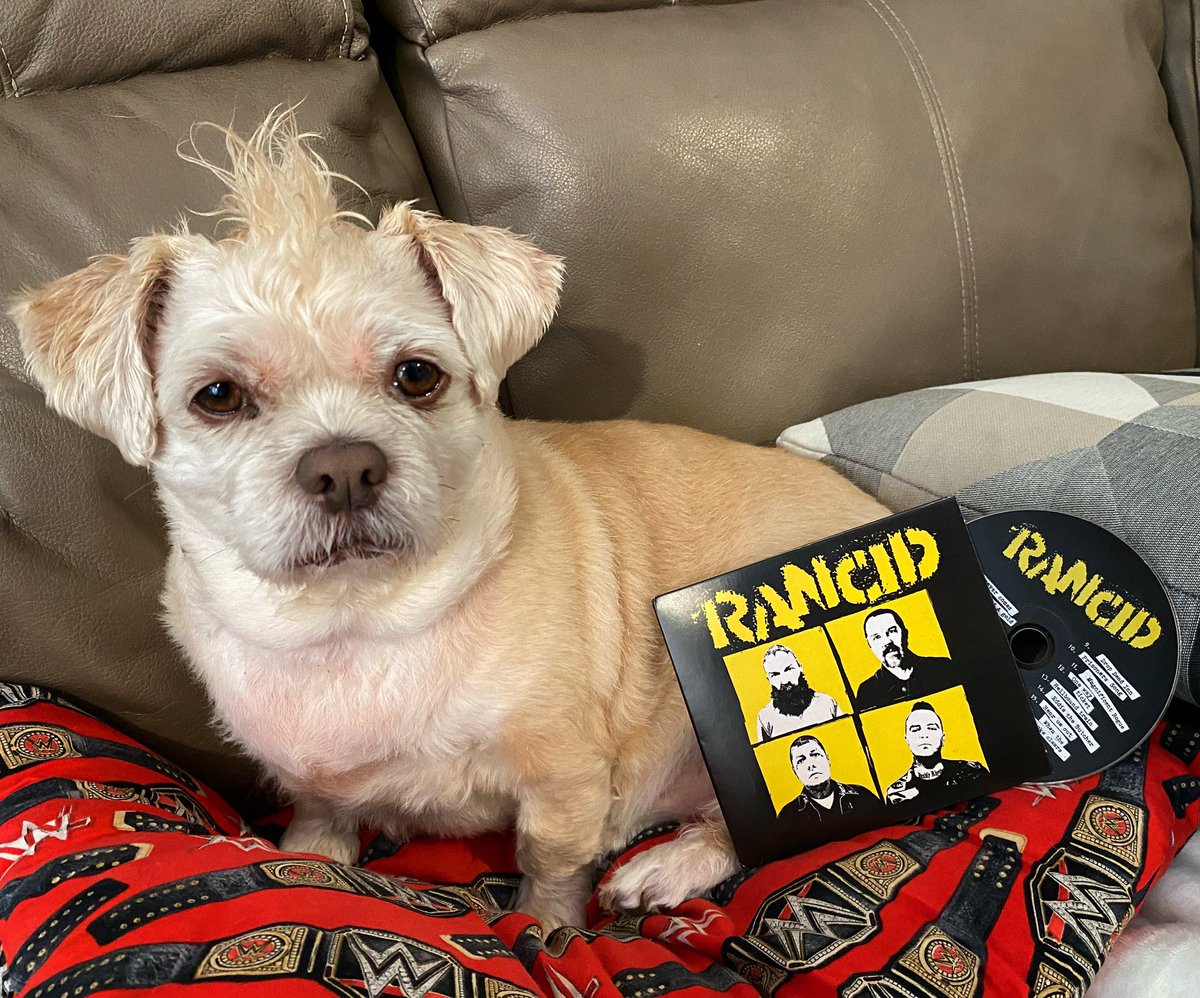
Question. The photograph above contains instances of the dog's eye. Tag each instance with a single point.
(221, 398)
(416, 378)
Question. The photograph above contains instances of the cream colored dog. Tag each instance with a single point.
(418, 615)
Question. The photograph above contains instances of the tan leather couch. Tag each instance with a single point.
(769, 209)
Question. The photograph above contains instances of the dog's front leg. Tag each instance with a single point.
(559, 827)
(316, 828)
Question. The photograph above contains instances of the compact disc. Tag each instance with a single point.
(1090, 627)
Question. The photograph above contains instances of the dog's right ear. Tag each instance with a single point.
(501, 289)
(87, 337)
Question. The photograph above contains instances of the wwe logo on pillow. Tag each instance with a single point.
(33, 835)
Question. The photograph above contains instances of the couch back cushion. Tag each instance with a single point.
(78, 43)
(774, 208)
(82, 172)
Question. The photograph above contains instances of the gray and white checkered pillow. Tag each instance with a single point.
(1121, 450)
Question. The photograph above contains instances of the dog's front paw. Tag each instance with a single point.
(322, 838)
(666, 875)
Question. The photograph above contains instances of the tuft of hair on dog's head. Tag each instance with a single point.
(278, 186)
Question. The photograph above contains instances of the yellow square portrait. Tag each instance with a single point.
(840, 744)
(891, 744)
(919, 631)
(799, 664)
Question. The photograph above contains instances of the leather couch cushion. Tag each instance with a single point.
(1181, 56)
(73, 43)
(770, 210)
(81, 541)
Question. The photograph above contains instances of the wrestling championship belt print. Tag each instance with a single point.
(648, 982)
(14, 695)
(29, 958)
(166, 796)
(1082, 893)
(947, 957)
(1183, 792)
(1183, 742)
(490, 895)
(142, 822)
(240, 881)
(24, 745)
(59, 871)
(108, 855)
(352, 962)
(818, 918)
(531, 942)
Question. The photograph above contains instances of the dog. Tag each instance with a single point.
(415, 613)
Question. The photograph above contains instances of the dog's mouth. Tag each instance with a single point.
(346, 551)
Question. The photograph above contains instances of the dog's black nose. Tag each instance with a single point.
(346, 476)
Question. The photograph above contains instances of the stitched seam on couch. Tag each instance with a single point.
(952, 177)
(462, 197)
(12, 77)
(426, 23)
(343, 45)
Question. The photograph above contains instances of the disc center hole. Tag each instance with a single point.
(1032, 645)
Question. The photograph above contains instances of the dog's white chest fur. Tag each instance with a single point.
(371, 726)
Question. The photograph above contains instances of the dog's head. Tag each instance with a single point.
(305, 389)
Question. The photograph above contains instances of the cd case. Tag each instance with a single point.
(854, 683)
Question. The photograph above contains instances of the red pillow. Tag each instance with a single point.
(120, 873)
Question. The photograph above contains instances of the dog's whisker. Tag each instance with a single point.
(220, 550)
(145, 485)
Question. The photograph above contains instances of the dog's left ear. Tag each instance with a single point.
(501, 289)
(87, 337)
